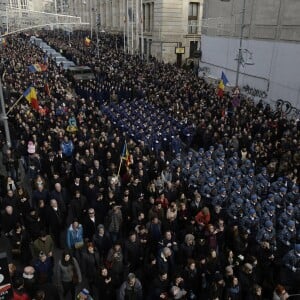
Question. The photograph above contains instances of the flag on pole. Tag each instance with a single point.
(47, 89)
(87, 41)
(125, 155)
(37, 68)
(45, 59)
(221, 87)
(31, 97)
(3, 42)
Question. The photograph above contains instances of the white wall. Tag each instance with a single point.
(276, 68)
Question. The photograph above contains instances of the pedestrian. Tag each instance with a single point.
(68, 274)
(131, 289)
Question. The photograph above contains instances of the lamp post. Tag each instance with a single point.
(240, 55)
(97, 32)
(3, 115)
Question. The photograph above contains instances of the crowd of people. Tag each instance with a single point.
(146, 184)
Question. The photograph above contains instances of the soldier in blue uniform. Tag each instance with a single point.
(250, 223)
(286, 238)
(293, 196)
(291, 269)
(285, 216)
(248, 190)
(253, 204)
(269, 215)
(224, 183)
(209, 190)
(267, 234)
(221, 199)
(247, 165)
(236, 193)
(263, 175)
(235, 211)
(279, 198)
(268, 202)
(219, 170)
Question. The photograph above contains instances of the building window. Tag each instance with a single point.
(193, 48)
(193, 18)
(24, 4)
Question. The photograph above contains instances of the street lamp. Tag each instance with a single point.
(3, 115)
(97, 32)
(240, 54)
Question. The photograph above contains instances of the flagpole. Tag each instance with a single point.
(124, 28)
(124, 151)
(132, 20)
(13, 106)
(142, 29)
(127, 25)
(137, 20)
(121, 159)
(4, 118)
(240, 54)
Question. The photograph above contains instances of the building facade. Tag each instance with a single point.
(150, 27)
(270, 67)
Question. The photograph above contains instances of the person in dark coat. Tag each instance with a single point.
(165, 261)
(90, 265)
(33, 224)
(105, 285)
(131, 289)
(246, 279)
(44, 268)
(9, 220)
(78, 205)
(217, 287)
(160, 286)
(102, 242)
(90, 224)
(55, 222)
(132, 252)
(61, 196)
(20, 244)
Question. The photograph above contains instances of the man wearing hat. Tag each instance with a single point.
(235, 211)
(291, 269)
(250, 222)
(285, 216)
(269, 201)
(279, 198)
(269, 215)
(253, 203)
(209, 190)
(287, 237)
(267, 234)
(293, 196)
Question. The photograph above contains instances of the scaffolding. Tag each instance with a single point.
(15, 20)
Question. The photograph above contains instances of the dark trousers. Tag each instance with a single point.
(68, 287)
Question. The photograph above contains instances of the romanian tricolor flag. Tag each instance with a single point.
(3, 42)
(47, 89)
(125, 155)
(222, 84)
(37, 68)
(31, 97)
(87, 41)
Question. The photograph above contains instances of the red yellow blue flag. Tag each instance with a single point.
(31, 96)
(37, 68)
(221, 87)
(87, 41)
(125, 155)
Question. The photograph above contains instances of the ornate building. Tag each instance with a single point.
(158, 28)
